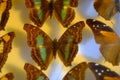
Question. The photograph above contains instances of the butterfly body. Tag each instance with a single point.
(5, 6)
(5, 47)
(109, 41)
(44, 49)
(40, 10)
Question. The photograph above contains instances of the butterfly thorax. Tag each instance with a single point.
(51, 7)
(55, 47)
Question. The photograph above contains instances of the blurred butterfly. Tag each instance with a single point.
(40, 10)
(76, 73)
(5, 47)
(103, 73)
(44, 49)
(8, 76)
(108, 39)
(5, 6)
(34, 73)
(107, 8)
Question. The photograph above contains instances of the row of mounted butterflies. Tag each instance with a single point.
(5, 40)
(40, 10)
(44, 49)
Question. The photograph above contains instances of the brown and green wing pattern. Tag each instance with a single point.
(34, 73)
(68, 43)
(64, 12)
(39, 11)
(41, 44)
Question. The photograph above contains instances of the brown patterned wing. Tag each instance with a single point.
(5, 47)
(68, 43)
(102, 72)
(8, 76)
(108, 39)
(5, 6)
(77, 72)
(107, 8)
(39, 11)
(33, 73)
(64, 12)
(42, 47)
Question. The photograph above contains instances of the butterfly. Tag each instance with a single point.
(76, 73)
(5, 6)
(34, 73)
(109, 41)
(40, 10)
(44, 49)
(5, 47)
(8, 76)
(107, 8)
(102, 72)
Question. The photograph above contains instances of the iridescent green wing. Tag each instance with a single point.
(108, 39)
(34, 73)
(5, 47)
(5, 6)
(77, 72)
(39, 11)
(64, 12)
(41, 44)
(68, 43)
(8, 76)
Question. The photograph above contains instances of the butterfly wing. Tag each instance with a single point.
(8, 76)
(108, 39)
(103, 73)
(41, 44)
(117, 4)
(39, 11)
(5, 47)
(77, 72)
(68, 43)
(5, 6)
(64, 12)
(105, 8)
(33, 73)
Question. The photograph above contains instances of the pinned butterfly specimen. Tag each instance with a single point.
(8, 76)
(33, 73)
(107, 8)
(44, 49)
(103, 73)
(76, 73)
(5, 6)
(5, 47)
(108, 39)
(40, 10)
